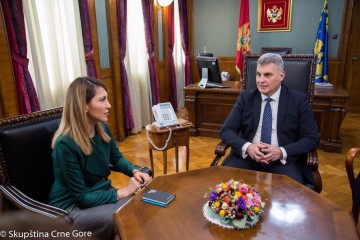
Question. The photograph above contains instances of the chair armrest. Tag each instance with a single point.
(23, 202)
(312, 160)
(349, 164)
(220, 151)
(313, 164)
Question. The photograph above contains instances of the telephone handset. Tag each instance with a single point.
(164, 115)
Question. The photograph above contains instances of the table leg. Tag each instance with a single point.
(151, 161)
(177, 158)
(187, 157)
(165, 161)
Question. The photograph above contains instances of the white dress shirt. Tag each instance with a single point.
(274, 104)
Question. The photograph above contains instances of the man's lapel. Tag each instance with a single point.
(283, 101)
(257, 110)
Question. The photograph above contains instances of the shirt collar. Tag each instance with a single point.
(275, 97)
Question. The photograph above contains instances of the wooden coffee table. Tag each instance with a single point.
(162, 139)
(292, 211)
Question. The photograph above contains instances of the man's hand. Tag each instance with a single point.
(264, 153)
(254, 151)
(271, 153)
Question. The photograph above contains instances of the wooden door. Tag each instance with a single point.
(352, 65)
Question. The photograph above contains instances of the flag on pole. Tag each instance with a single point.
(243, 41)
(321, 47)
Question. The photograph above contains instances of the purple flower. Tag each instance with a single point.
(241, 203)
(212, 196)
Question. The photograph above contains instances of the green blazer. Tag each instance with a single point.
(83, 180)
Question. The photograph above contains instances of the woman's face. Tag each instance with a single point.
(98, 108)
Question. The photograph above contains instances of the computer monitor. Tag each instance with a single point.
(205, 54)
(212, 66)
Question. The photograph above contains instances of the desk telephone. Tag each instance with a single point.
(164, 115)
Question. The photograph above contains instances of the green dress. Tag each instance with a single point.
(82, 180)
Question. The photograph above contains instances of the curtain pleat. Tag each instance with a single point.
(87, 40)
(147, 8)
(121, 10)
(184, 29)
(172, 76)
(15, 27)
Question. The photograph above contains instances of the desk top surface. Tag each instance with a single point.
(291, 210)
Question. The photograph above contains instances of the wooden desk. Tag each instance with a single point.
(329, 111)
(208, 108)
(159, 139)
(291, 210)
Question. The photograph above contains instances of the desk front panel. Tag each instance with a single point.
(211, 111)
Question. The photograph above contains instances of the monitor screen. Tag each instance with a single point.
(212, 66)
(205, 54)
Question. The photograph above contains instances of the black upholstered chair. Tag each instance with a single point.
(26, 166)
(26, 173)
(354, 182)
(279, 50)
(299, 74)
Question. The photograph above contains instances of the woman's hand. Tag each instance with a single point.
(132, 186)
(141, 177)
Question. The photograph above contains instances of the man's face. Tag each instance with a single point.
(268, 78)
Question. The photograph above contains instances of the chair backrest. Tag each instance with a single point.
(299, 72)
(279, 50)
(25, 152)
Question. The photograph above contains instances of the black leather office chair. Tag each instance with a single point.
(354, 183)
(300, 74)
(279, 50)
(26, 166)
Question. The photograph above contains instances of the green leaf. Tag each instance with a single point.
(239, 223)
(225, 220)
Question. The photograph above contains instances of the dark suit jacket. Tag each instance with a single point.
(296, 127)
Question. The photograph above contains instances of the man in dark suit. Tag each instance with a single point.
(292, 130)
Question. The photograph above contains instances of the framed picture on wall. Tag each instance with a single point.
(274, 15)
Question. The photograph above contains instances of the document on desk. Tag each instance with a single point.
(158, 198)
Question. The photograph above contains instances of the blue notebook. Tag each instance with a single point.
(158, 198)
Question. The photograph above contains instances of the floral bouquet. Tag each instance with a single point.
(233, 204)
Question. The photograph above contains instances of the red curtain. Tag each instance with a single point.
(87, 40)
(147, 8)
(184, 30)
(121, 10)
(15, 28)
(172, 75)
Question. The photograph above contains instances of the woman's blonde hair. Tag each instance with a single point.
(74, 119)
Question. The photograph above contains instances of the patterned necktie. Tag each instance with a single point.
(266, 123)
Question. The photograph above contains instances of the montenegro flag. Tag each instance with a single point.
(321, 47)
(243, 41)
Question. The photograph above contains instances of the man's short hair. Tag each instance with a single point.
(271, 58)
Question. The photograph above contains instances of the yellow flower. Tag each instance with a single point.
(238, 194)
(217, 204)
(222, 213)
(224, 186)
(256, 209)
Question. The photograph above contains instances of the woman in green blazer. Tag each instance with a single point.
(83, 150)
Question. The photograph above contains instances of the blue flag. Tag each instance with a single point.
(321, 47)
